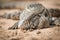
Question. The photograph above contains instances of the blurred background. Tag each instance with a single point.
(20, 4)
(15, 6)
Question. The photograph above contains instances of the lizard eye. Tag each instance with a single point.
(46, 15)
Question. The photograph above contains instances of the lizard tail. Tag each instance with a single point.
(7, 16)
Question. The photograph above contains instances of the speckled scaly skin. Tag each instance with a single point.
(35, 16)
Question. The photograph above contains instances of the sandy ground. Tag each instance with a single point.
(42, 34)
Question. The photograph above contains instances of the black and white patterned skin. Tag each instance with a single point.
(34, 16)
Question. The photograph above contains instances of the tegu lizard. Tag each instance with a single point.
(35, 16)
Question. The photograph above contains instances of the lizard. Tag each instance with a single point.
(34, 16)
